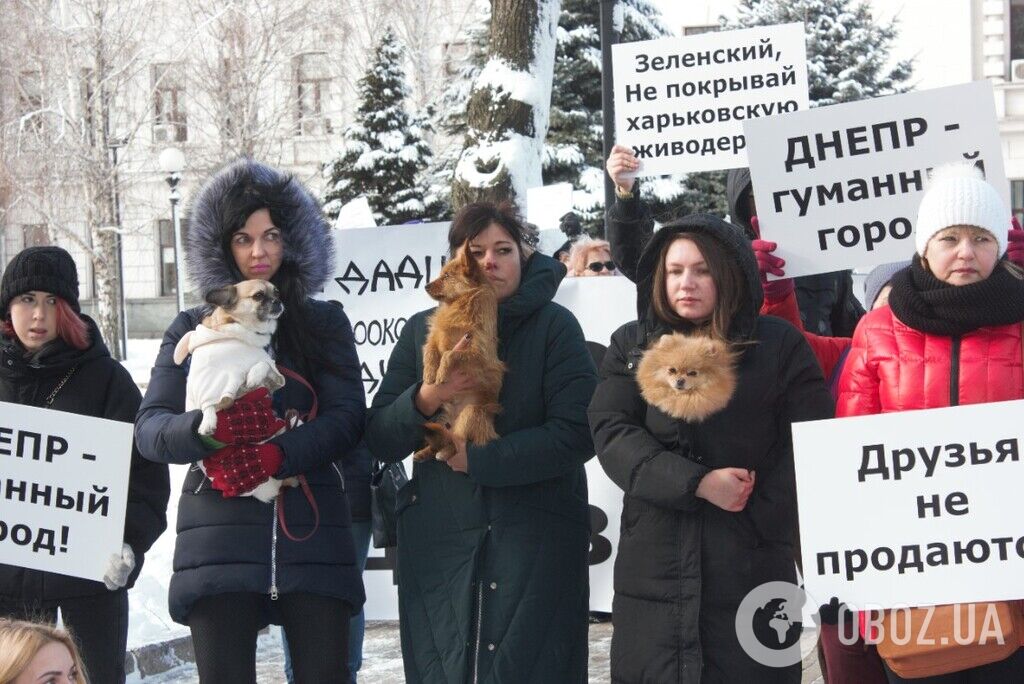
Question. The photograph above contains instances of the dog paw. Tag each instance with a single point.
(208, 425)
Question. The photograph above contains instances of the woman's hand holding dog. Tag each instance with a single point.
(727, 488)
(459, 462)
(432, 395)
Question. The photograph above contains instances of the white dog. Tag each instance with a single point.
(229, 357)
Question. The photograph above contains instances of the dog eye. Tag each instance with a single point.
(691, 374)
(672, 371)
(259, 296)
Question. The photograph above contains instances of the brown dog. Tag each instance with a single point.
(469, 304)
(688, 377)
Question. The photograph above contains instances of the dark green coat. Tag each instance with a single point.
(493, 567)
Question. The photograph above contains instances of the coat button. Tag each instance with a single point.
(488, 528)
(490, 647)
(494, 585)
(413, 497)
(629, 365)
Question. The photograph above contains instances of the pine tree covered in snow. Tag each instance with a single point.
(847, 51)
(383, 154)
(573, 151)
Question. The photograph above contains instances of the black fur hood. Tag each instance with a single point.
(308, 247)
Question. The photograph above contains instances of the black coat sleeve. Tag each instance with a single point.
(629, 229)
(632, 457)
(149, 485)
(338, 426)
(848, 310)
(164, 432)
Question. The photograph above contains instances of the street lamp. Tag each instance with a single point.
(172, 161)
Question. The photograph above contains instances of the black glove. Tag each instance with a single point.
(830, 612)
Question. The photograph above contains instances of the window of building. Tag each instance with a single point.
(170, 121)
(1016, 29)
(455, 56)
(1017, 199)
(35, 235)
(30, 101)
(165, 258)
(312, 86)
(697, 30)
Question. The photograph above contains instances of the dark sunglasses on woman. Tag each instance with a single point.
(598, 266)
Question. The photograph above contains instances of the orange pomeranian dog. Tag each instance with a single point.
(688, 377)
(469, 305)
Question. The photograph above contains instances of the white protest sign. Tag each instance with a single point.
(355, 214)
(680, 103)
(918, 508)
(68, 515)
(545, 206)
(379, 277)
(838, 187)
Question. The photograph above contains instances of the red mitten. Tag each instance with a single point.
(250, 419)
(767, 262)
(1015, 244)
(241, 468)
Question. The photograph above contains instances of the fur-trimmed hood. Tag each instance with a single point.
(308, 247)
(735, 243)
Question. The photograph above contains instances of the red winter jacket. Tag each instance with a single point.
(893, 367)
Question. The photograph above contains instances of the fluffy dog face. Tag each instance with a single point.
(460, 276)
(254, 304)
(688, 377)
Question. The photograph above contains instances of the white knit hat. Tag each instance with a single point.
(958, 195)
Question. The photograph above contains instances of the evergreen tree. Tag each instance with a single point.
(383, 154)
(574, 150)
(847, 52)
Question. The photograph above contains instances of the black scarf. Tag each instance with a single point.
(925, 303)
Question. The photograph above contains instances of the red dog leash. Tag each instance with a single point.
(303, 483)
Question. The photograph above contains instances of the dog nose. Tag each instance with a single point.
(681, 383)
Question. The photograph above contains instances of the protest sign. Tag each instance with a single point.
(65, 484)
(545, 206)
(838, 187)
(913, 508)
(680, 102)
(355, 214)
(379, 278)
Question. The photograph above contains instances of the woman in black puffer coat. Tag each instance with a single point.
(709, 511)
(235, 568)
(51, 356)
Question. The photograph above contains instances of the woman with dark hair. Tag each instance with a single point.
(709, 511)
(52, 356)
(240, 564)
(493, 542)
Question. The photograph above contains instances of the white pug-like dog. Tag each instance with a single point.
(230, 359)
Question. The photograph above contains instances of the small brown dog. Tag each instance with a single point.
(468, 305)
(688, 377)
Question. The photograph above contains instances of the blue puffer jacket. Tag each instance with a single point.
(230, 545)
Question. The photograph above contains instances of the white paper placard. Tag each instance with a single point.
(838, 187)
(66, 466)
(545, 206)
(870, 520)
(680, 103)
(356, 214)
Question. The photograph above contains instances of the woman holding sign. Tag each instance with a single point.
(493, 542)
(239, 563)
(709, 511)
(951, 335)
(52, 356)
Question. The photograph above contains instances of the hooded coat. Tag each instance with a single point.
(236, 544)
(493, 567)
(828, 306)
(99, 387)
(684, 565)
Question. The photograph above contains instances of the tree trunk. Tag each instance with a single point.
(509, 105)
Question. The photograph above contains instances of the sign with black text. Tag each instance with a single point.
(65, 490)
(913, 508)
(680, 103)
(838, 187)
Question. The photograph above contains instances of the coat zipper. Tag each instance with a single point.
(273, 555)
(954, 373)
(479, 618)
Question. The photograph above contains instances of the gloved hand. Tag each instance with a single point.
(1015, 243)
(250, 419)
(830, 612)
(119, 568)
(769, 263)
(241, 468)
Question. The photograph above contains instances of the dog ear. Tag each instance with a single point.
(711, 349)
(224, 297)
